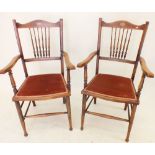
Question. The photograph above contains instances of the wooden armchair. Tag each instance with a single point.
(111, 87)
(44, 86)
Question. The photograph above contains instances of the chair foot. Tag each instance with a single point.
(81, 128)
(21, 117)
(83, 111)
(64, 100)
(25, 134)
(34, 104)
(125, 107)
(131, 122)
(70, 129)
(69, 112)
(94, 100)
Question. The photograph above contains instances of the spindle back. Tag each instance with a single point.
(120, 38)
(40, 36)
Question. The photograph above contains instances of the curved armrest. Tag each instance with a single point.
(145, 69)
(69, 65)
(87, 60)
(10, 65)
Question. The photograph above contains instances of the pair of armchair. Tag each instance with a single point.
(104, 86)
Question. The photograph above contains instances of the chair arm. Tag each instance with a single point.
(10, 65)
(87, 60)
(145, 69)
(68, 63)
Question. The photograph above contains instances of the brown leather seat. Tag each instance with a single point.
(106, 86)
(39, 87)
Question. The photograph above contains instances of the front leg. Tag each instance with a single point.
(83, 111)
(69, 112)
(131, 122)
(21, 117)
(34, 104)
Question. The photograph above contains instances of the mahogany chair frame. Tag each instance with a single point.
(44, 56)
(131, 106)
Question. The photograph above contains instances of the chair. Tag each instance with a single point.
(113, 87)
(43, 86)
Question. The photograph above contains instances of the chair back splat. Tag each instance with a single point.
(122, 42)
(120, 38)
(39, 33)
(37, 47)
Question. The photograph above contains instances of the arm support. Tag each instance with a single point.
(11, 64)
(69, 66)
(87, 60)
(68, 63)
(145, 69)
(84, 64)
(146, 73)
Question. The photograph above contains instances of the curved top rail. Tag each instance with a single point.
(37, 23)
(124, 24)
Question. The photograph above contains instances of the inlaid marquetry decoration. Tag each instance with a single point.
(43, 86)
(116, 88)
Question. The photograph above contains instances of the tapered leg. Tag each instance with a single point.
(20, 115)
(95, 100)
(125, 107)
(83, 111)
(131, 122)
(64, 100)
(69, 112)
(34, 104)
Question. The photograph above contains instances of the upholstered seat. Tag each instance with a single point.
(106, 86)
(40, 87)
(120, 40)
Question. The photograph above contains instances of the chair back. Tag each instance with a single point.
(123, 42)
(38, 33)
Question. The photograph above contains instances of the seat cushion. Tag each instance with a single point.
(111, 87)
(40, 87)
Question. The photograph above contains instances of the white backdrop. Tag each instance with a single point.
(80, 38)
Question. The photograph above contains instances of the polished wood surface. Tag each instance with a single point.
(87, 60)
(38, 23)
(68, 63)
(42, 59)
(45, 115)
(123, 24)
(118, 60)
(145, 69)
(110, 88)
(44, 86)
(10, 65)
